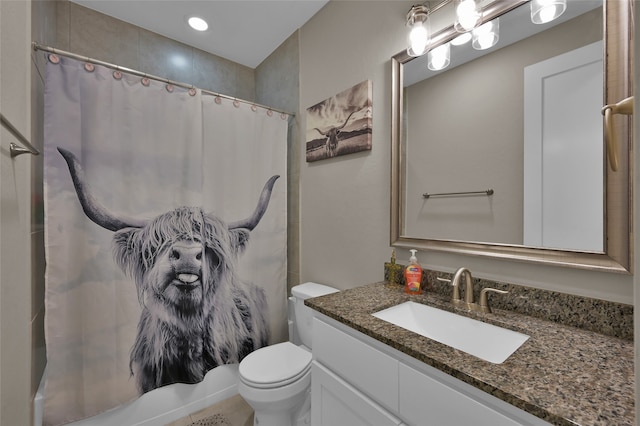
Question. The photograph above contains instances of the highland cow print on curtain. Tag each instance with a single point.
(165, 235)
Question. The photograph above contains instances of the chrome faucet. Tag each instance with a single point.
(468, 302)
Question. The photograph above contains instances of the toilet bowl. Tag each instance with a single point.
(276, 380)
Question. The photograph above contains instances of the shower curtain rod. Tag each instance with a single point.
(37, 46)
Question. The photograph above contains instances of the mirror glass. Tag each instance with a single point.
(501, 153)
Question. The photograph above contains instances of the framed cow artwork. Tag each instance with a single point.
(341, 124)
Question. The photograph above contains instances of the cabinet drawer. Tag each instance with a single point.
(371, 371)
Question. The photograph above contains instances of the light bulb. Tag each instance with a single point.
(439, 58)
(467, 15)
(418, 39)
(486, 35)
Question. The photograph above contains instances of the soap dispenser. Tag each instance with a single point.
(413, 275)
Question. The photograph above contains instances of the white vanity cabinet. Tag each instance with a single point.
(357, 380)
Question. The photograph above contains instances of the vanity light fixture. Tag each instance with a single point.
(486, 35)
(468, 15)
(418, 23)
(439, 58)
(197, 23)
(543, 11)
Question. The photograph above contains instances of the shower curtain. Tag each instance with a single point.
(165, 248)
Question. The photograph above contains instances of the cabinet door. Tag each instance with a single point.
(369, 370)
(336, 403)
(426, 401)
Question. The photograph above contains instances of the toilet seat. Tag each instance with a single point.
(275, 366)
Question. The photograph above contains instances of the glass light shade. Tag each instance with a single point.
(419, 31)
(461, 39)
(486, 35)
(418, 39)
(468, 15)
(439, 58)
(543, 11)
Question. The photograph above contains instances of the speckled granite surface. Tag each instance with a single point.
(562, 374)
(613, 319)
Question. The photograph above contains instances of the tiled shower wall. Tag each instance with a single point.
(278, 85)
(89, 33)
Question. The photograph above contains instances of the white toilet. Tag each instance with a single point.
(276, 380)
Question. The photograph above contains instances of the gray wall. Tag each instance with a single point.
(22, 356)
(16, 312)
(345, 201)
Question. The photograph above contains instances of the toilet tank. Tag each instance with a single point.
(302, 315)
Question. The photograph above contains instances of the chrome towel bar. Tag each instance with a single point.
(13, 148)
(444, 194)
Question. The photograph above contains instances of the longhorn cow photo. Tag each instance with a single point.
(341, 124)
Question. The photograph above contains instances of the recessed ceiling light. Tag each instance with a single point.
(198, 24)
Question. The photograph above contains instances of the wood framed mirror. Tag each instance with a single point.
(500, 225)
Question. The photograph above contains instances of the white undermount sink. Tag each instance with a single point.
(486, 341)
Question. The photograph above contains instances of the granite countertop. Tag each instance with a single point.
(562, 374)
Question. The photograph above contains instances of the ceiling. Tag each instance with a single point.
(243, 31)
